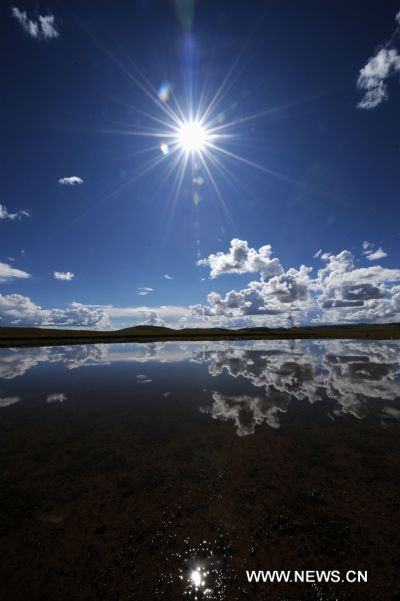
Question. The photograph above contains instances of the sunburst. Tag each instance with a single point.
(197, 135)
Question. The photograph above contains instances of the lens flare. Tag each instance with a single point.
(164, 91)
(164, 148)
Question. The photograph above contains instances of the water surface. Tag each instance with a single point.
(126, 468)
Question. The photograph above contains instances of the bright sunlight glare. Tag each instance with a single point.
(196, 136)
(192, 137)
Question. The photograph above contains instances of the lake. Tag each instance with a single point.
(166, 470)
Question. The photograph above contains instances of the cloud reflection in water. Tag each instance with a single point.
(351, 377)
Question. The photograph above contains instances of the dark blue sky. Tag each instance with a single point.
(326, 173)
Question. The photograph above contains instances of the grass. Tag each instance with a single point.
(18, 336)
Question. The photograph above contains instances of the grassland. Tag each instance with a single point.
(18, 336)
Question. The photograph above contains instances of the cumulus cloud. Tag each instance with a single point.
(18, 310)
(63, 275)
(340, 273)
(269, 297)
(5, 214)
(372, 79)
(144, 290)
(42, 28)
(372, 253)
(152, 318)
(171, 315)
(365, 294)
(331, 304)
(168, 277)
(73, 180)
(242, 259)
(353, 292)
(377, 254)
(288, 287)
(8, 273)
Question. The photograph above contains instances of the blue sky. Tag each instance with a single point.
(94, 215)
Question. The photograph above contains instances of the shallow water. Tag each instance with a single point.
(165, 471)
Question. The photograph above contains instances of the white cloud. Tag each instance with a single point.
(31, 27)
(142, 379)
(57, 397)
(47, 24)
(170, 312)
(346, 293)
(371, 253)
(41, 28)
(170, 315)
(168, 277)
(340, 272)
(379, 253)
(73, 180)
(152, 318)
(374, 97)
(242, 259)
(373, 76)
(18, 310)
(340, 290)
(5, 214)
(8, 273)
(63, 275)
(261, 297)
(7, 401)
(367, 246)
(143, 290)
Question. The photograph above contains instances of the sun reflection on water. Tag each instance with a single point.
(203, 572)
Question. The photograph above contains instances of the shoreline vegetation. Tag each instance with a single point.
(30, 337)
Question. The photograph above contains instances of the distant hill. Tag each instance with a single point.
(17, 336)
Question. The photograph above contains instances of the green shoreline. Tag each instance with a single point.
(31, 337)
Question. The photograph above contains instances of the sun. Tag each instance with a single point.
(192, 137)
(195, 134)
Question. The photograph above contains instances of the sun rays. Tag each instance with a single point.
(193, 139)
(195, 134)
(203, 137)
